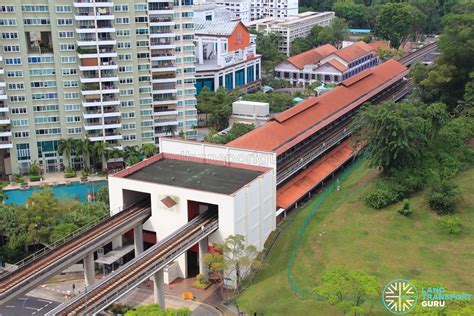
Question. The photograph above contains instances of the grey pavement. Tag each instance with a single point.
(27, 305)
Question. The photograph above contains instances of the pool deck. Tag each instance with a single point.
(52, 179)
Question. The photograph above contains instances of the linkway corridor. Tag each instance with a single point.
(148, 264)
(51, 261)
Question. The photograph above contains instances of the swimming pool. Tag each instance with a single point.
(74, 190)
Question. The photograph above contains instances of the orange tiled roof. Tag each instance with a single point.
(377, 44)
(305, 181)
(299, 122)
(312, 56)
(354, 51)
(338, 65)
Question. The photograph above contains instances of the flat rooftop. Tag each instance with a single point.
(196, 175)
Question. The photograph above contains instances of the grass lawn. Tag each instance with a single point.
(383, 243)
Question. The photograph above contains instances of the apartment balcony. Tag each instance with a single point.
(94, 41)
(165, 121)
(4, 108)
(164, 88)
(103, 65)
(89, 102)
(3, 96)
(83, 52)
(166, 113)
(97, 124)
(5, 133)
(2, 85)
(106, 137)
(96, 79)
(99, 14)
(98, 113)
(93, 3)
(2, 71)
(95, 88)
(6, 144)
(159, 66)
(4, 120)
(161, 21)
(164, 78)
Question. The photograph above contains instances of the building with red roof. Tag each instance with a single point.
(327, 64)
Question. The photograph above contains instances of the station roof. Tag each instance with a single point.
(312, 56)
(299, 122)
(192, 174)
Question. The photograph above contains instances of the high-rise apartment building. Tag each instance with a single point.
(114, 71)
(249, 10)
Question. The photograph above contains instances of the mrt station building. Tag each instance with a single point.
(187, 179)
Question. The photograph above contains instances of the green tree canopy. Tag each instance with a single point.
(237, 130)
(397, 22)
(355, 14)
(300, 45)
(267, 46)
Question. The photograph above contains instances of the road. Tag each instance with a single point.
(27, 305)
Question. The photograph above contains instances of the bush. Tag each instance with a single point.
(18, 178)
(381, 197)
(406, 209)
(451, 224)
(69, 175)
(34, 178)
(201, 281)
(84, 174)
(443, 197)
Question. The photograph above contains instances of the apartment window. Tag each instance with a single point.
(41, 60)
(71, 95)
(141, 19)
(189, 70)
(122, 20)
(63, 9)
(34, 8)
(11, 48)
(141, 31)
(144, 90)
(125, 92)
(7, 22)
(188, 26)
(43, 84)
(46, 119)
(43, 21)
(17, 98)
(129, 126)
(16, 86)
(187, 14)
(143, 67)
(15, 74)
(121, 8)
(188, 37)
(122, 69)
(66, 47)
(17, 123)
(144, 79)
(7, 8)
(72, 107)
(147, 123)
(122, 33)
(126, 81)
(146, 112)
(123, 45)
(143, 43)
(42, 72)
(128, 115)
(147, 134)
(46, 108)
(70, 83)
(21, 134)
(48, 131)
(18, 111)
(66, 34)
(9, 35)
(122, 57)
(140, 7)
(143, 55)
(62, 22)
(69, 71)
(68, 60)
(74, 130)
(145, 101)
(189, 59)
(73, 119)
(127, 104)
(190, 102)
(188, 48)
(129, 138)
(13, 61)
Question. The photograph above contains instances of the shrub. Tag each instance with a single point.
(443, 197)
(406, 209)
(34, 178)
(69, 175)
(451, 224)
(385, 194)
(84, 174)
(18, 178)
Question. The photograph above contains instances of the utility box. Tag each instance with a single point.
(170, 272)
(250, 108)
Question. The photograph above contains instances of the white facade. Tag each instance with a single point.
(291, 27)
(249, 10)
(250, 112)
(249, 211)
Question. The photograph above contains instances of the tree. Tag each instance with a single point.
(385, 54)
(355, 14)
(267, 46)
(237, 130)
(82, 147)
(156, 310)
(62, 230)
(393, 135)
(443, 197)
(99, 153)
(65, 148)
(149, 150)
(300, 45)
(170, 130)
(352, 292)
(102, 195)
(35, 169)
(335, 33)
(221, 109)
(278, 101)
(397, 22)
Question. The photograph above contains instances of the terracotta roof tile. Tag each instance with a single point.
(354, 51)
(312, 56)
(377, 44)
(304, 119)
(338, 65)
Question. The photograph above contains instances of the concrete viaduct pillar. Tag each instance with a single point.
(159, 288)
(89, 269)
(203, 249)
(138, 239)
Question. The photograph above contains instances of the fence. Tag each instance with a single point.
(302, 292)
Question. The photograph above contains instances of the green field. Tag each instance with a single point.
(383, 243)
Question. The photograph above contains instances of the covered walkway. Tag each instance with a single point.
(292, 191)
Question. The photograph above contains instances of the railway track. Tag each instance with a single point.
(21, 277)
(139, 269)
(408, 59)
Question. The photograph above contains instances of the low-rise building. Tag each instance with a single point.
(328, 64)
(249, 10)
(210, 11)
(291, 27)
(250, 112)
(225, 56)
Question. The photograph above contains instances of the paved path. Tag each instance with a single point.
(27, 305)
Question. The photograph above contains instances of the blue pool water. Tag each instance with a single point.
(74, 190)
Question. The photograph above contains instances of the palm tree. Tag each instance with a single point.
(99, 151)
(170, 129)
(131, 151)
(114, 153)
(149, 150)
(65, 147)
